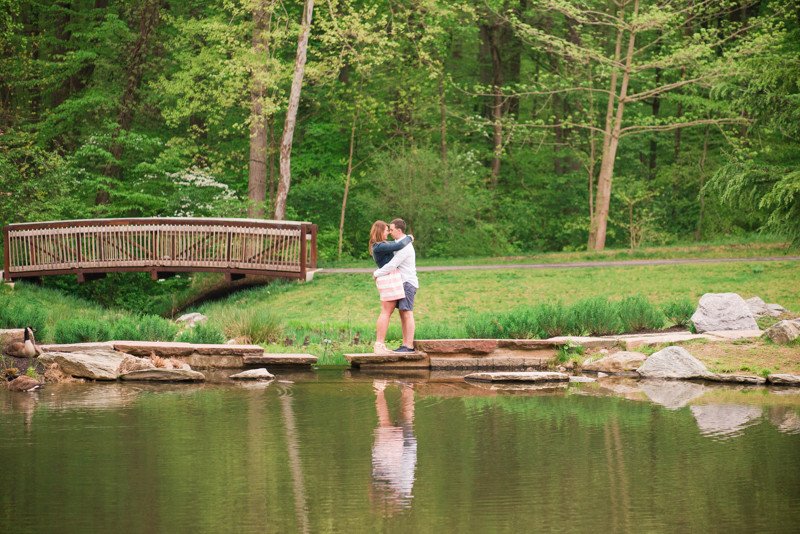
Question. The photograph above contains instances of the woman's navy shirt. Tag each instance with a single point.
(382, 252)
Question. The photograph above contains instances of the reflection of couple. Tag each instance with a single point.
(394, 454)
(396, 278)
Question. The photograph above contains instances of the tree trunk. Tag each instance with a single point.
(137, 58)
(271, 164)
(347, 181)
(284, 182)
(259, 136)
(592, 244)
(609, 155)
(497, 110)
(444, 118)
(702, 180)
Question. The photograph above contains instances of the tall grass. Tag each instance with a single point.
(597, 316)
(253, 325)
(637, 313)
(679, 311)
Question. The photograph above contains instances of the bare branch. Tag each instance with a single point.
(632, 130)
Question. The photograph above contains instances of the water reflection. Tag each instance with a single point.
(394, 453)
(295, 464)
(723, 421)
(672, 394)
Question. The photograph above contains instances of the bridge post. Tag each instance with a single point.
(314, 228)
(6, 256)
(303, 252)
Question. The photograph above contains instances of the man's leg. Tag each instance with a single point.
(408, 326)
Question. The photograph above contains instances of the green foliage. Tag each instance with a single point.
(144, 328)
(82, 330)
(31, 372)
(597, 316)
(255, 325)
(554, 318)
(203, 333)
(637, 313)
(19, 312)
(679, 311)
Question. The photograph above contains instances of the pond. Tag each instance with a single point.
(349, 451)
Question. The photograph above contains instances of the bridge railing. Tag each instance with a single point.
(236, 247)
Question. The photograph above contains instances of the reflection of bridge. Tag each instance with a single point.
(163, 246)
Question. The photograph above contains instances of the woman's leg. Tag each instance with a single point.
(387, 307)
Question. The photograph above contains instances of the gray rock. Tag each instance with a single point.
(784, 380)
(132, 363)
(673, 362)
(759, 308)
(582, 379)
(777, 309)
(617, 363)
(724, 421)
(739, 379)
(253, 374)
(164, 375)
(670, 394)
(93, 364)
(601, 375)
(783, 332)
(191, 319)
(723, 311)
(519, 377)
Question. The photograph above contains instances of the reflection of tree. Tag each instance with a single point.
(294, 461)
(617, 480)
(394, 453)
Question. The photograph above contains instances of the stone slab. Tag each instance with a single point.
(371, 358)
(519, 377)
(738, 379)
(617, 363)
(491, 362)
(784, 380)
(280, 359)
(205, 361)
(733, 334)
(94, 365)
(164, 375)
(11, 335)
(587, 342)
(582, 379)
(511, 352)
(461, 346)
(651, 340)
(79, 347)
(163, 349)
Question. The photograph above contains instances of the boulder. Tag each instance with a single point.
(523, 376)
(94, 364)
(759, 308)
(132, 363)
(164, 375)
(618, 362)
(723, 311)
(673, 362)
(253, 374)
(11, 335)
(784, 380)
(783, 332)
(191, 319)
(670, 394)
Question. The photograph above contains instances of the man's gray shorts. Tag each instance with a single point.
(407, 303)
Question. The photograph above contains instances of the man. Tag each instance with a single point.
(405, 261)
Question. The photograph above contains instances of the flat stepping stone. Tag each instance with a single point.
(738, 379)
(784, 380)
(529, 376)
(78, 347)
(280, 359)
(175, 349)
(164, 375)
(357, 359)
(253, 374)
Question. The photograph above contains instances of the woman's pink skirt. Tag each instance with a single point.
(390, 286)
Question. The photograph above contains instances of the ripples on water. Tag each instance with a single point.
(349, 452)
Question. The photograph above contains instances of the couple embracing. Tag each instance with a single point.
(397, 281)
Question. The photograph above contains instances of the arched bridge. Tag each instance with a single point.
(163, 246)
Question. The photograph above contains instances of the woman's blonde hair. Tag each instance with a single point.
(376, 234)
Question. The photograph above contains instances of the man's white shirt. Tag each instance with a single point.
(405, 261)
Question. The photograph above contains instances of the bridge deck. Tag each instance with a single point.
(236, 247)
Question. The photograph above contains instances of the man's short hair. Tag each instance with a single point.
(400, 224)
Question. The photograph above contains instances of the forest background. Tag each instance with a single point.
(492, 127)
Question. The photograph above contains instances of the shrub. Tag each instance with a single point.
(597, 316)
(144, 328)
(521, 323)
(484, 326)
(553, 319)
(258, 326)
(18, 313)
(439, 330)
(204, 333)
(679, 311)
(81, 331)
(637, 313)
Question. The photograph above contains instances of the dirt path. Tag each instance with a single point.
(585, 264)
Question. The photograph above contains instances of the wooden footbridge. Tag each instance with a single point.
(162, 246)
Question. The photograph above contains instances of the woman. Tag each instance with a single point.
(390, 286)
